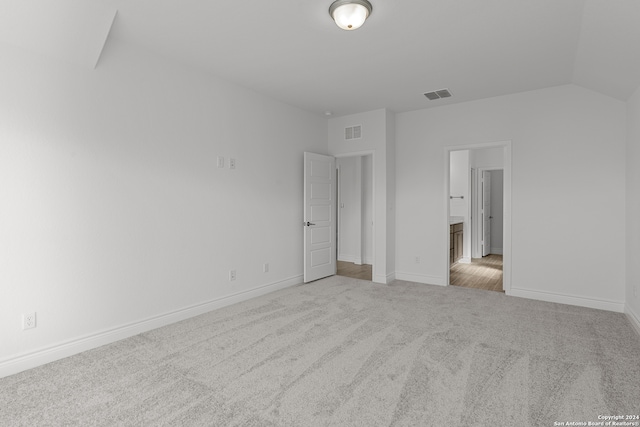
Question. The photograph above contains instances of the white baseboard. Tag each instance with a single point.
(49, 354)
(421, 278)
(465, 260)
(379, 278)
(634, 318)
(355, 260)
(348, 258)
(384, 279)
(568, 299)
(496, 251)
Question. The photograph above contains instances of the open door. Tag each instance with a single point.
(486, 213)
(319, 216)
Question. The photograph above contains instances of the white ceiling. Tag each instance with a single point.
(292, 51)
(72, 30)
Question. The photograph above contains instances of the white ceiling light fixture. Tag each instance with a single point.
(350, 14)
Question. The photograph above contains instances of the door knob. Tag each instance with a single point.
(308, 223)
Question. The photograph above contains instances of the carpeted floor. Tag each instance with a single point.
(345, 352)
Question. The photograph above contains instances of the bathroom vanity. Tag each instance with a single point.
(456, 225)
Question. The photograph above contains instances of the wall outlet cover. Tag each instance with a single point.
(29, 320)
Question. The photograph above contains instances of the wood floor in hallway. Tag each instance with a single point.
(483, 273)
(349, 269)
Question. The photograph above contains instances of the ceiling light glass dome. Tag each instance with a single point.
(350, 14)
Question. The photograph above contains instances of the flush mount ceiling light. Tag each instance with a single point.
(350, 14)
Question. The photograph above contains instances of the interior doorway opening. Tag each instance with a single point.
(484, 268)
(354, 215)
(478, 187)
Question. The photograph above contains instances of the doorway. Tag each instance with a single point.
(355, 217)
(487, 209)
(479, 216)
(484, 269)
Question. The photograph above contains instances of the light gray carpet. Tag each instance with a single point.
(346, 352)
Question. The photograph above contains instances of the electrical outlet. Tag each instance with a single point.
(232, 163)
(29, 320)
(220, 162)
(265, 267)
(417, 260)
(232, 275)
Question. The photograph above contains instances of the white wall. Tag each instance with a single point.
(350, 210)
(497, 195)
(459, 183)
(568, 197)
(633, 209)
(354, 223)
(460, 186)
(367, 209)
(488, 158)
(112, 210)
(390, 170)
(378, 136)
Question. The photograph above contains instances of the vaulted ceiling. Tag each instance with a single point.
(292, 51)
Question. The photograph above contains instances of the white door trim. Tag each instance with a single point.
(506, 227)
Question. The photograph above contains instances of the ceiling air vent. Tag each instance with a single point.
(437, 94)
(353, 132)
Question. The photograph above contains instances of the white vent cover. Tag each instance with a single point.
(437, 94)
(353, 132)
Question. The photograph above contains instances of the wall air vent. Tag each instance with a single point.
(353, 132)
(437, 94)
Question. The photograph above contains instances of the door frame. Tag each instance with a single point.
(506, 225)
(373, 202)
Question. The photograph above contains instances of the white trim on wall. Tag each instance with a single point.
(421, 278)
(506, 227)
(634, 318)
(617, 306)
(354, 259)
(59, 351)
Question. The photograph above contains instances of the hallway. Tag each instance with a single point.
(349, 269)
(483, 273)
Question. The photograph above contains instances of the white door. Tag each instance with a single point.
(319, 216)
(486, 213)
